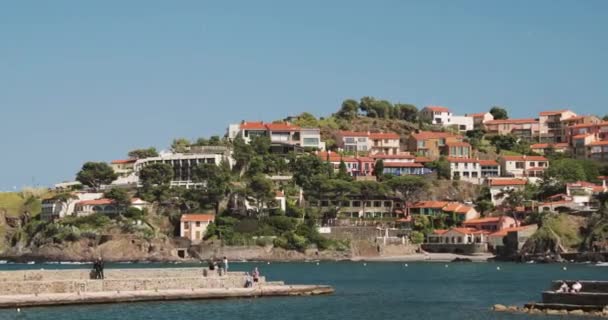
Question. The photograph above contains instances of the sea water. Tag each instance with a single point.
(367, 291)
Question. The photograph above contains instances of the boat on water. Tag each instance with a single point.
(601, 264)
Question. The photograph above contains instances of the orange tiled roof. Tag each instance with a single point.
(393, 156)
(512, 121)
(197, 217)
(582, 136)
(429, 204)
(440, 231)
(507, 182)
(477, 115)
(437, 108)
(483, 220)
(102, 201)
(422, 159)
(488, 163)
(422, 135)
(457, 207)
(599, 143)
(588, 125)
(462, 160)
(524, 158)
(468, 230)
(123, 161)
(402, 165)
(281, 127)
(552, 112)
(383, 135)
(354, 134)
(457, 144)
(253, 125)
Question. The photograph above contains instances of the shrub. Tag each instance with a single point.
(417, 237)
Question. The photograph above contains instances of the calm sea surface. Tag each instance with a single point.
(371, 292)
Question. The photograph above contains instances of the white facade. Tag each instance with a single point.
(57, 209)
(463, 123)
(278, 133)
(531, 167)
(467, 170)
(311, 138)
(183, 165)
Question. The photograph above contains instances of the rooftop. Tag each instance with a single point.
(507, 182)
(524, 158)
(197, 217)
(437, 108)
(383, 135)
(512, 121)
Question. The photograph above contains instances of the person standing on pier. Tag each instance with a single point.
(225, 262)
(100, 266)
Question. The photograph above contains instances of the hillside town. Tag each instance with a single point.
(479, 183)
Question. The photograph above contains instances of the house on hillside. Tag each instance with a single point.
(384, 142)
(500, 187)
(280, 134)
(491, 224)
(457, 240)
(531, 167)
(435, 144)
(552, 127)
(62, 206)
(524, 129)
(104, 206)
(480, 118)
(451, 210)
(193, 226)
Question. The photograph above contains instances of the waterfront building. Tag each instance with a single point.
(356, 207)
(491, 224)
(457, 240)
(405, 168)
(193, 226)
(447, 209)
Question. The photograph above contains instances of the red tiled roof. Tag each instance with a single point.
(488, 163)
(102, 201)
(253, 125)
(477, 115)
(457, 144)
(457, 207)
(547, 145)
(123, 161)
(468, 230)
(582, 136)
(422, 135)
(483, 220)
(588, 125)
(462, 160)
(429, 204)
(393, 156)
(524, 158)
(437, 108)
(599, 143)
(440, 231)
(504, 232)
(552, 112)
(354, 134)
(197, 217)
(281, 127)
(402, 165)
(422, 159)
(553, 203)
(507, 182)
(512, 121)
(383, 135)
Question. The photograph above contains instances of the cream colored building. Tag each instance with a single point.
(193, 226)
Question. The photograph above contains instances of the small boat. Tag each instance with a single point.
(601, 264)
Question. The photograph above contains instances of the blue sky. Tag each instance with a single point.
(90, 80)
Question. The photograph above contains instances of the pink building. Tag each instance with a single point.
(526, 129)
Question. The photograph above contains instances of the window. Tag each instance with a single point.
(420, 144)
(377, 204)
(198, 223)
(519, 165)
(324, 203)
(345, 203)
(362, 139)
(387, 203)
(311, 141)
(349, 140)
(532, 164)
(356, 203)
(441, 142)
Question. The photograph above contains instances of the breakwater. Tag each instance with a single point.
(59, 287)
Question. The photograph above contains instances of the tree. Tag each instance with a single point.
(306, 120)
(180, 145)
(260, 145)
(261, 190)
(484, 206)
(499, 113)
(216, 183)
(605, 118)
(120, 197)
(241, 153)
(156, 174)
(369, 190)
(94, 174)
(408, 186)
(212, 141)
(343, 172)
(348, 110)
(143, 153)
(407, 112)
(503, 142)
(307, 166)
(441, 167)
(379, 169)
(566, 170)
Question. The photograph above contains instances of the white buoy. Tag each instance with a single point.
(405, 265)
(446, 265)
(364, 264)
(18, 310)
(498, 268)
(317, 263)
(564, 268)
(268, 262)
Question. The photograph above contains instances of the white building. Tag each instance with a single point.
(194, 226)
(351, 141)
(384, 143)
(58, 208)
(464, 169)
(105, 206)
(444, 117)
(183, 165)
(531, 167)
(500, 187)
(285, 133)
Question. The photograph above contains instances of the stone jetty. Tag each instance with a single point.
(27, 288)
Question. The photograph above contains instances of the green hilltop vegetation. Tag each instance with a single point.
(294, 228)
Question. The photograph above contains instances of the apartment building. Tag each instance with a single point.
(600, 130)
(525, 129)
(467, 170)
(279, 133)
(183, 165)
(59, 207)
(532, 167)
(384, 143)
(355, 166)
(434, 144)
(480, 118)
(447, 209)
(104, 206)
(551, 127)
(355, 207)
(123, 167)
(353, 142)
(500, 187)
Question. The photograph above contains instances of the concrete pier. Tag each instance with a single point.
(63, 287)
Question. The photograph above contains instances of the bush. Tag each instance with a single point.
(281, 242)
(417, 237)
(296, 242)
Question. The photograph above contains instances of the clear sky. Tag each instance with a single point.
(90, 80)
